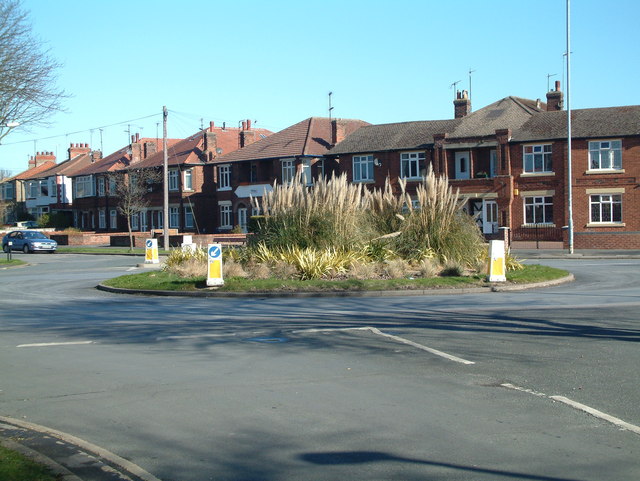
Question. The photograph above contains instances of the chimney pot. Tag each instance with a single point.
(211, 126)
(137, 137)
(244, 125)
(248, 124)
(557, 85)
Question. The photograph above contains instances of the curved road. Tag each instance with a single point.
(464, 387)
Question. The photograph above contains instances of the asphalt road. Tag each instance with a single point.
(464, 387)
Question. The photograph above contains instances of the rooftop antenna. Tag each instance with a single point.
(470, 72)
(128, 131)
(549, 75)
(101, 148)
(453, 86)
(201, 123)
(330, 107)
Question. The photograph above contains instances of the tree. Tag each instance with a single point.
(28, 92)
(132, 188)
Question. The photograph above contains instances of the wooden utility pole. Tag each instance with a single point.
(165, 181)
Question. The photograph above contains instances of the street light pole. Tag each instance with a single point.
(569, 166)
(165, 181)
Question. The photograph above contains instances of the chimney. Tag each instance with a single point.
(210, 147)
(462, 105)
(96, 155)
(150, 148)
(555, 98)
(136, 149)
(338, 131)
(78, 149)
(247, 136)
(40, 158)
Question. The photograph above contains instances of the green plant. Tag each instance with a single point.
(178, 257)
(452, 269)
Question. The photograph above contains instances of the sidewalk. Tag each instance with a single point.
(68, 457)
(529, 253)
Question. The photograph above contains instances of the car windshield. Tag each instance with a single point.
(34, 235)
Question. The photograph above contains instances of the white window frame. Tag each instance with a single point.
(101, 191)
(188, 179)
(84, 186)
(605, 155)
(288, 170)
(539, 153)
(174, 175)
(113, 219)
(410, 165)
(174, 217)
(606, 208)
(306, 177)
(188, 217)
(225, 215)
(224, 177)
(537, 204)
(144, 225)
(102, 219)
(363, 168)
(112, 186)
(33, 189)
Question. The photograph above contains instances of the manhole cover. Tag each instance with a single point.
(270, 340)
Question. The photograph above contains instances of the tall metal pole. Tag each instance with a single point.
(569, 166)
(165, 181)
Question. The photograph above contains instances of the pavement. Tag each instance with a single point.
(74, 459)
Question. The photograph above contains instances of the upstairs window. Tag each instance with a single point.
(537, 159)
(605, 155)
(410, 163)
(101, 191)
(188, 179)
(173, 179)
(84, 186)
(224, 177)
(363, 168)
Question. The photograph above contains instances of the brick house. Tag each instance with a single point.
(509, 160)
(192, 190)
(14, 191)
(252, 170)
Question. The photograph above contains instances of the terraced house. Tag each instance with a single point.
(509, 162)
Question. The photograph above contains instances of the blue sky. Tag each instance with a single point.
(275, 62)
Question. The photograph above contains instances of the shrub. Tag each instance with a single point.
(179, 257)
(395, 268)
(452, 269)
(428, 268)
(231, 268)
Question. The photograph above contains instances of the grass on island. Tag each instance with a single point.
(16, 467)
(161, 280)
(11, 263)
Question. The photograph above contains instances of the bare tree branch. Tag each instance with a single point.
(28, 92)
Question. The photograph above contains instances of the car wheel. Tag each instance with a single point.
(6, 248)
(25, 249)
(52, 252)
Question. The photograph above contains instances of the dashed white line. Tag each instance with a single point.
(48, 344)
(377, 331)
(579, 406)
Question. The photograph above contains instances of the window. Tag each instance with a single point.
(134, 222)
(537, 158)
(174, 217)
(33, 189)
(44, 188)
(288, 170)
(112, 186)
(188, 217)
(188, 179)
(362, 168)
(160, 219)
(224, 177)
(319, 168)
(143, 221)
(113, 219)
(225, 216)
(7, 191)
(538, 210)
(173, 179)
(605, 155)
(605, 208)
(52, 187)
(101, 187)
(410, 163)
(253, 173)
(306, 172)
(102, 219)
(84, 186)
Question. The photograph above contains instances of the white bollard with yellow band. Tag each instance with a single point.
(151, 251)
(497, 263)
(214, 256)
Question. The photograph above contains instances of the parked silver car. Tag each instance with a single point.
(28, 241)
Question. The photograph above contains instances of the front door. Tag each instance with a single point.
(462, 165)
(489, 217)
(242, 218)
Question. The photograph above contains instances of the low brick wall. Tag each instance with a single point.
(79, 238)
(121, 239)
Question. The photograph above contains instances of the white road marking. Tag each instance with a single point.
(47, 344)
(598, 414)
(579, 406)
(397, 339)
